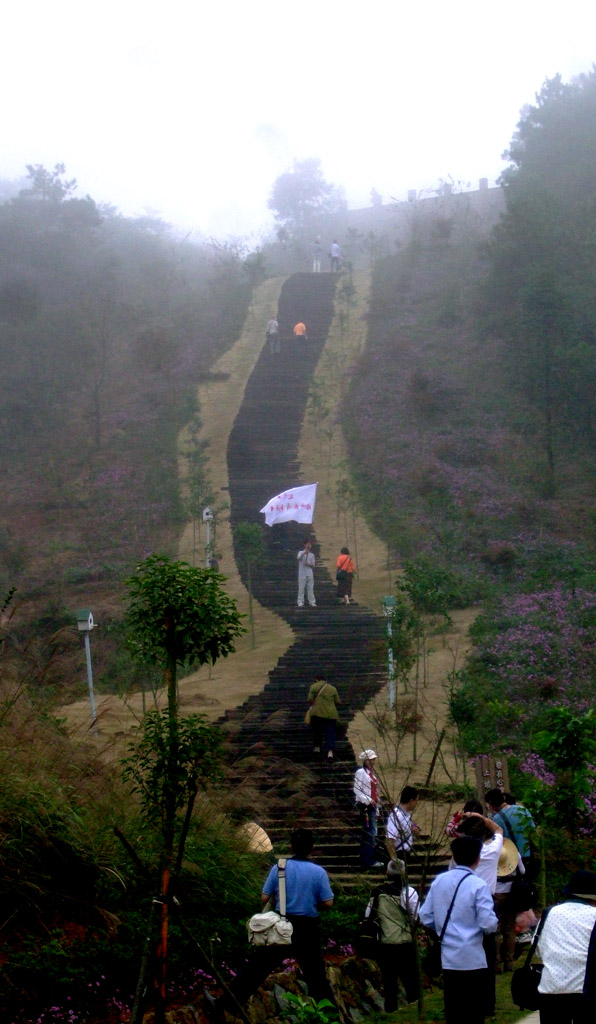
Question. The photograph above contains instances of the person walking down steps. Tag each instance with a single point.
(306, 578)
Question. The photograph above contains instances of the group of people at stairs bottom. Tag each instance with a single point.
(308, 891)
(459, 907)
(476, 898)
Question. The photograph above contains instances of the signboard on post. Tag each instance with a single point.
(491, 773)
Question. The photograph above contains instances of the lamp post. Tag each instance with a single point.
(388, 603)
(208, 519)
(85, 624)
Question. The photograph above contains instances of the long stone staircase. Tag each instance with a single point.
(268, 744)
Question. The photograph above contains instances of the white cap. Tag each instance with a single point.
(367, 755)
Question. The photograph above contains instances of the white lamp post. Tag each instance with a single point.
(85, 624)
(208, 519)
(388, 603)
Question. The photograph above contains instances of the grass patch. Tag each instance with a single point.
(433, 1013)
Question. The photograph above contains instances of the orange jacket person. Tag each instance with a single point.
(300, 331)
(344, 576)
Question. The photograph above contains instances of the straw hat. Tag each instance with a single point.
(257, 839)
(582, 884)
(367, 755)
(508, 859)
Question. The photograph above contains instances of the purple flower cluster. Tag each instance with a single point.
(534, 765)
(544, 651)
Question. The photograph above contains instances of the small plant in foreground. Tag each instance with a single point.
(304, 1010)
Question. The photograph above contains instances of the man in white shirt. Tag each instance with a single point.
(465, 974)
(335, 255)
(401, 829)
(272, 335)
(567, 948)
(306, 564)
(491, 836)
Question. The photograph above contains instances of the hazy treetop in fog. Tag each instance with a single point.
(193, 110)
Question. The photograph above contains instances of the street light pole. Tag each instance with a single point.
(208, 519)
(90, 682)
(388, 603)
(85, 624)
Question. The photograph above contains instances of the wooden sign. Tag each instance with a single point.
(491, 773)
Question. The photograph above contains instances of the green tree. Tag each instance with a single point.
(541, 289)
(177, 616)
(302, 193)
(48, 186)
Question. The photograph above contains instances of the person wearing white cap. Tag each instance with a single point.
(366, 797)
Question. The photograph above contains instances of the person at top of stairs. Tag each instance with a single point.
(306, 578)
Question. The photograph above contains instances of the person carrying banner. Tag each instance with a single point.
(272, 335)
(306, 564)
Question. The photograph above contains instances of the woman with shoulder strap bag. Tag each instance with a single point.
(323, 715)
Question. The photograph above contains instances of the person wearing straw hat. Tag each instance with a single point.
(367, 792)
(567, 947)
(517, 824)
(510, 863)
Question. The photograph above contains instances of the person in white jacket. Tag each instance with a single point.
(366, 797)
(306, 565)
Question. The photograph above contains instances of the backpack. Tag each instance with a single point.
(396, 924)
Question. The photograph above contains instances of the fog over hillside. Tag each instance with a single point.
(191, 113)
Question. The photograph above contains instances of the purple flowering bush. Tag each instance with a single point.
(534, 652)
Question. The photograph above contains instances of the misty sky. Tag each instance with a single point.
(192, 109)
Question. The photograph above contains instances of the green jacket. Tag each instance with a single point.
(324, 699)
